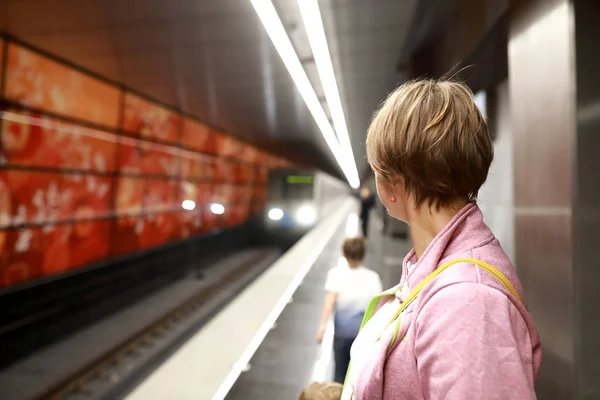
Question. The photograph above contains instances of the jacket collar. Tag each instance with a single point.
(465, 231)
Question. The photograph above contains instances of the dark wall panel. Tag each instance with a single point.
(587, 200)
(471, 46)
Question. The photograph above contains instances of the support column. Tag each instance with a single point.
(542, 94)
(586, 208)
(555, 101)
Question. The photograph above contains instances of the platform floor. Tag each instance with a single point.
(289, 358)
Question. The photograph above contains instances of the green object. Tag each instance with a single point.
(298, 179)
(368, 314)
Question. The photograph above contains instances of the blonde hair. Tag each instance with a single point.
(354, 249)
(431, 136)
(322, 391)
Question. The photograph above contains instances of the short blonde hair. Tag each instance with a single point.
(322, 391)
(431, 134)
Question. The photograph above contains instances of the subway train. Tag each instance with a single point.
(298, 199)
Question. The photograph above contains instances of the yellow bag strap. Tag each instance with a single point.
(414, 293)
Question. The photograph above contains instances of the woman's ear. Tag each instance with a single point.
(385, 188)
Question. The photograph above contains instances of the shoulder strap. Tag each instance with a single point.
(415, 292)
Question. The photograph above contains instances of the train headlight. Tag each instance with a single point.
(306, 215)
(275, 214)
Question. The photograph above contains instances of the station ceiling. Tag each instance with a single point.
(214, 60)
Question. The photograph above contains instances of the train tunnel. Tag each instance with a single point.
(178, 177)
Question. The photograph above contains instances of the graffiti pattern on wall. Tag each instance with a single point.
(89, 172)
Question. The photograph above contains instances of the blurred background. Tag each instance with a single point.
(171, 168)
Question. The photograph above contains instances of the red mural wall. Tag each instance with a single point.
(90, 172)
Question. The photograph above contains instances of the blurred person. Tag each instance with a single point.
(456, 326)
(322, 391)
(350, 287)
(367, 202)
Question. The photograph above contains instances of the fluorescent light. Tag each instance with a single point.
(217, 208)
(188, 205)
(313, 23)
(270, 20)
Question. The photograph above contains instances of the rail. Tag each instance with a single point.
(110, 364)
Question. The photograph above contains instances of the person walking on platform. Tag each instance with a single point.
(456, 326)
(349, 288)
(367, 202)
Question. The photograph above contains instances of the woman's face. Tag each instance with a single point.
(388, 192)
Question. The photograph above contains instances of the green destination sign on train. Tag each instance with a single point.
(293, 179)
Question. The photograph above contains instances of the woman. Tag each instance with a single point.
(349, 289)
(463, 333)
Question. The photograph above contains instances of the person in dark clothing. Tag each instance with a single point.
(367, 202)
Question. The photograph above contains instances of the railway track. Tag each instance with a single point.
(119, 368)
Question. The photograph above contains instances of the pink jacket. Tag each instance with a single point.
(465, 336)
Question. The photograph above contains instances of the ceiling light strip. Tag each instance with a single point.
(274, 27)
(313, 22)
